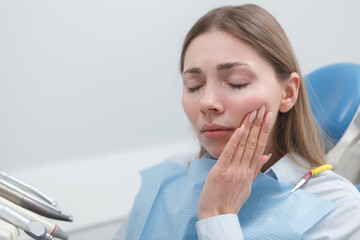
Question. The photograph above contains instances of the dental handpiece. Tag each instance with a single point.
(50, 227)
(31, 205)
(31, 228)
(19, 190)
(19, 183)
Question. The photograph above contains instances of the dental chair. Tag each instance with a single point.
(334, 93)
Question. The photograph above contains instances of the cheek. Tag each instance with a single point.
(241, 108)
(246, 103)
(250, 103)
(190, 108)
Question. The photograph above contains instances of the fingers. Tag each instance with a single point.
(228, 185)
(247, 144)
(264, 159)
(230, 148)
(254, 148)
(253, 141)
(240, 148)
(261, 140)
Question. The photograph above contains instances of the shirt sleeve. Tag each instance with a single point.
(342, 223)
(220, 227)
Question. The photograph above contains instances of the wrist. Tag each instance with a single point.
(204, 215)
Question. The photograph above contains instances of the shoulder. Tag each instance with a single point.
(342, 222)
(332, 187)
(328, 184)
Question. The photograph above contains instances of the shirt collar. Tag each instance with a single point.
(287, 170)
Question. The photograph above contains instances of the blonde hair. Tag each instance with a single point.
(294, 131)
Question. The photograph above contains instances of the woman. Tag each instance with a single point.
(244, 95)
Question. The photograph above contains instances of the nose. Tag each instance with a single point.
(210, 101)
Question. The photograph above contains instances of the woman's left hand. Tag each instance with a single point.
(229, 182)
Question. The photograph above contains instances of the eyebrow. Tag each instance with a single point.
(229, 65)
(193, 70)
(219, 67)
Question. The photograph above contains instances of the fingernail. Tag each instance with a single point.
(261, 112)
(268, 157)
(268, 118)
(241, 130)
(252, 116)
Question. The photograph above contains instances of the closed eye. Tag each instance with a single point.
(193, 89)
(237, 86)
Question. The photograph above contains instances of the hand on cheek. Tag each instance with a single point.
(229, 182)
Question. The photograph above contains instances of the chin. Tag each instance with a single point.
(214, 152)
(214, 146)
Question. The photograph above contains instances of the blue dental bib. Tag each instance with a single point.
(167, 203)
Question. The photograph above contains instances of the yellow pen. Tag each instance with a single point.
(311, 173)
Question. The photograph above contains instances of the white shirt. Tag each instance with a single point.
(342, 223)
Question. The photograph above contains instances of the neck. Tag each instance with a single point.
(274, 158)
(271, 148)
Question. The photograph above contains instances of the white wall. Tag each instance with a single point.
(89, 78)
(85, 81)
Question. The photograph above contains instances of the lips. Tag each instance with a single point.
(215, 130)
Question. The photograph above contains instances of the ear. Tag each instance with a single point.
(290, 92)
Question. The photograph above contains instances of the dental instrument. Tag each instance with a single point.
(7, 177)
(51, 228)
(31, 205)
(33, 229)
(19, 190)
(311, 173)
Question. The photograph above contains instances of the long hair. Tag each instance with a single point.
(294, 131)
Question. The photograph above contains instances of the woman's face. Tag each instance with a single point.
(225, 78)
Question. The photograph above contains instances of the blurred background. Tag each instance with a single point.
(90, 91)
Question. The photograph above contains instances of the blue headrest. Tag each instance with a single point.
(334, 94)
